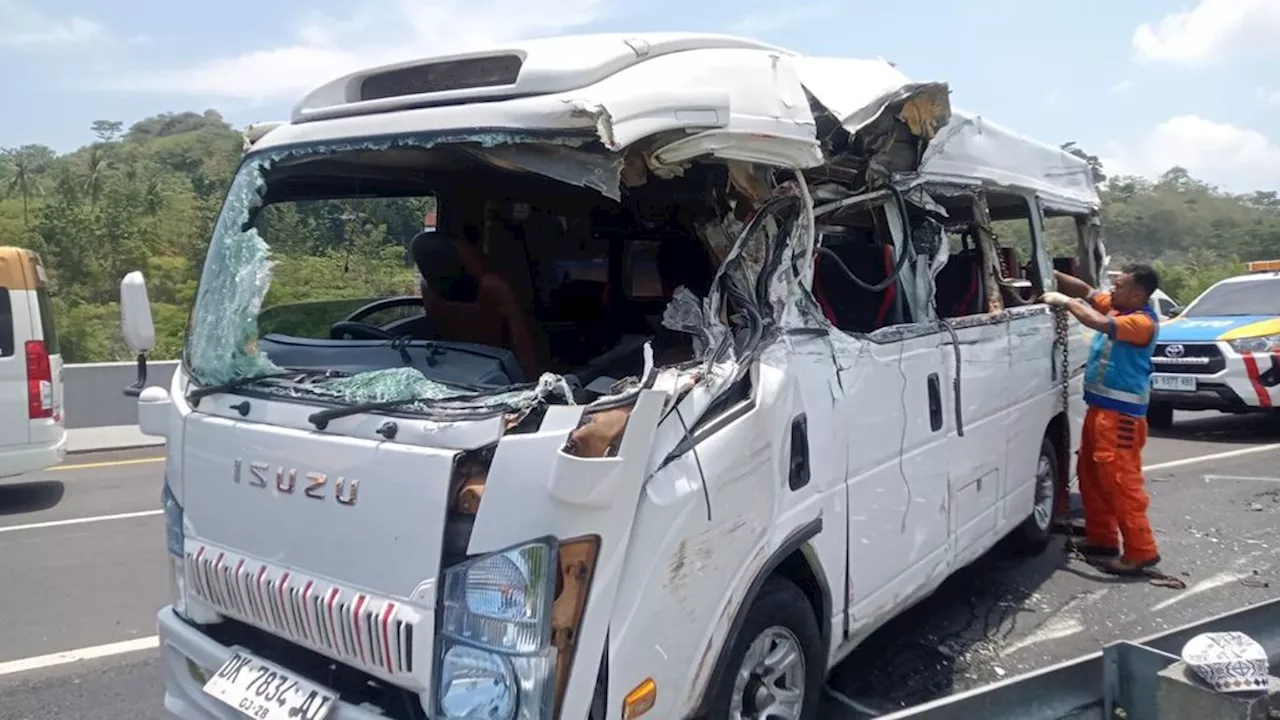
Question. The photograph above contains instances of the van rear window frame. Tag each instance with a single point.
(44, 305)
(8, 339)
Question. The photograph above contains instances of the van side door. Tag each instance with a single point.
(1034, 391)
(896, 459)
(974, 357)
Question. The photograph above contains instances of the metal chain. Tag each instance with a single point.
(1060, 338)
(1060, 329)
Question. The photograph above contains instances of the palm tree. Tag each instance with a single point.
(98, 165)
(23, 181)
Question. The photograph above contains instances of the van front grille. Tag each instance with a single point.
(359, 629)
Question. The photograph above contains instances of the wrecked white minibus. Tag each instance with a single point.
(793, 378)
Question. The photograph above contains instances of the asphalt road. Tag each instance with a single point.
(82, 554)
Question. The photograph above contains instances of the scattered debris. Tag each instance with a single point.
(1254, 580)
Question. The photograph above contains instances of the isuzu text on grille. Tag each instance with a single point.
(345, 491)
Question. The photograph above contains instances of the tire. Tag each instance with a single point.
(1032, 536)
(1160, 416)
(780, 616)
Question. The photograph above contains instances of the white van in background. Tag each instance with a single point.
(32, 436)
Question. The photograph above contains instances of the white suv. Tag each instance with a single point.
(32, 436)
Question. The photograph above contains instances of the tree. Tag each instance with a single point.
(166, 124)
(23, 181)
(107, 130)
(97, 166)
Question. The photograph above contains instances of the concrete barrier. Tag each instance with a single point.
(93, 392)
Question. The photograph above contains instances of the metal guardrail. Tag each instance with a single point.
(93, 392)
(1122, 675)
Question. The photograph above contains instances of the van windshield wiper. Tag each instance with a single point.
(194, 395)
(321, 418)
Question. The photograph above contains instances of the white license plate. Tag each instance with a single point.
(263, 691)
(1176, 383)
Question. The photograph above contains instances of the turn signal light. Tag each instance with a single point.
(640, 700)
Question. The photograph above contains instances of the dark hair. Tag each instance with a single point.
(440, 264)
(1144, 275)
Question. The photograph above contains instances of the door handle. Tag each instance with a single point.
(935, 402)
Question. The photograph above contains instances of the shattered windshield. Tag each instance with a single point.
(1254, 297)
(373, 273)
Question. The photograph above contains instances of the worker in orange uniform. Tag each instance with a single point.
(1117, 388)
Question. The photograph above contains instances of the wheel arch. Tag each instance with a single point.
(795, 560)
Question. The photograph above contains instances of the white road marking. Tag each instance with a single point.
(1236, 574)
(1055, 629)
(1203, 586)
(72, 656)
(1211, 478)
(79, 521)
(1064, 623)
(1215, 456)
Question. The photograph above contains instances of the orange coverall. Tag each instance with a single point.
(1109, 462)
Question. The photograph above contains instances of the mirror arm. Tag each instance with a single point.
(135, 389)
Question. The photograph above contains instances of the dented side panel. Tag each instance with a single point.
(535, 489)
(710, 520)
(1033, 390)
(898, 503)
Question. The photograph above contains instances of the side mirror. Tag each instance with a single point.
(136, 325)
(1174, 311)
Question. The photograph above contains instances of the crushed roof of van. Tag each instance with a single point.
(618, 89)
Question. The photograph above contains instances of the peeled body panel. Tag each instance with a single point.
(519, 505)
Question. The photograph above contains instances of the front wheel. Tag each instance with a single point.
(776, 665)
(1160, 416)
(1032, 536)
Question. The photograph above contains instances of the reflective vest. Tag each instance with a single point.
(1118, 375)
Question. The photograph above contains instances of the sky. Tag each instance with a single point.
(1144, 84)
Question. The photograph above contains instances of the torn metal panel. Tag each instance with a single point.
(854, 91)
(601, 172)
(687, 314)
(791, 305)
(527, 482)
(971, 146)
(741, 147)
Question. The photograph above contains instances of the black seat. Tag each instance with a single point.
(846, 304)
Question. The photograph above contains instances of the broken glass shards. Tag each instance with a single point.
(421, 394)
(222, 344)
(237, 272)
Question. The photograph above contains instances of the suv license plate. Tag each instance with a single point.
(1173, 382)
(263, 691)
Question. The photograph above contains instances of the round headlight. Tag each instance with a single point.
(476, 684)
(498, 588)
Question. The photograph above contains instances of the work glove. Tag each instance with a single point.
(1055, 298)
